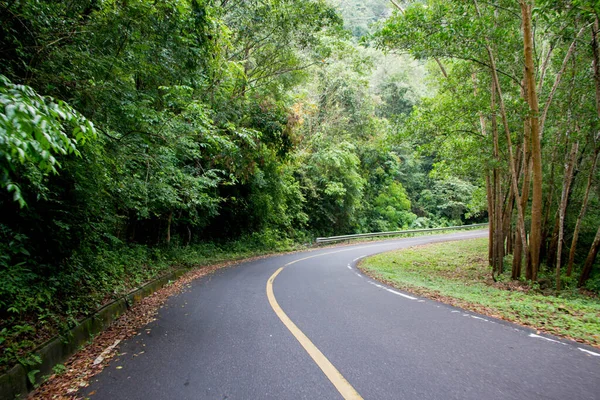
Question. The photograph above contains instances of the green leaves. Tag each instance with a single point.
(33, 130)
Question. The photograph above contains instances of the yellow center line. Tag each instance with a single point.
(341, 384)
(337, 379)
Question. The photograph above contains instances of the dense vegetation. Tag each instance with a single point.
(518, 106)
(138, 135)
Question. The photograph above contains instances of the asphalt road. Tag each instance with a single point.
(222, 339)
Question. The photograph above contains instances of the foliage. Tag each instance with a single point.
(360, 15)
(34, 308)
(145, 135)
(524, 134)
(32, 132)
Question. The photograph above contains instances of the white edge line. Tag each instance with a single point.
(392, 291)
(589, 352)
(401, 294)
(533, 335)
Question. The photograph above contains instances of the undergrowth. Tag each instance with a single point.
(37, 302)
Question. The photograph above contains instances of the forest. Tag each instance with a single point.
(136, 136)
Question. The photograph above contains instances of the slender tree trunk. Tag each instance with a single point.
(169, 220)
(526, 173)
(554, 239)
(553, 247)
(499, 235)
(511, 157)
(496, 88)
(498, 261)
(517, 257)
(589, 261)
(488, 186)
(491, 218)
(548, 207)
(510, 243)
(506, 222)
(569, 167)
(596, 62)
(521, 249)
(536, 150)
(581, 214)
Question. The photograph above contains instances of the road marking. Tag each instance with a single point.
(392, 291)
(336, 378)
(359, 275)
(533, 335)
(589, 352)
(349, 267)
(400, 294)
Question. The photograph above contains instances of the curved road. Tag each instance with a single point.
(321, 330)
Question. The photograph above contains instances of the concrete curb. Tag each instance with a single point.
(15, 383)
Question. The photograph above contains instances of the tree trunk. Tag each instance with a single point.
(506, 221)
(553, 247)
(511, 158)
(488, 186)
(510, 244)
(496, 88)
(596, 63)
(499, 235)
(169, 220)
(536, 150)
(569, 167)
(526, 173)
(517, 257)
(548, 207)
(491, 218)
(498, 260)
(524, 199)
(589, 261)
(581, 214)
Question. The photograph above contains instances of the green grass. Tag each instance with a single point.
(458, 273)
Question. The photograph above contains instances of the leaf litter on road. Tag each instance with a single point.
(96, 355)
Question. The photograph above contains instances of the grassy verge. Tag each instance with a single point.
(457, 273)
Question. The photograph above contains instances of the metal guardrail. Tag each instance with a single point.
(394, 233)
